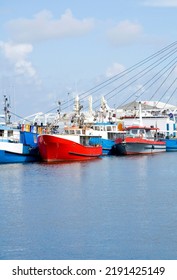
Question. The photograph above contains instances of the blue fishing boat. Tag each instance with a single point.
(107, 133)
(17, 146)
(106, 144)
(171, 144)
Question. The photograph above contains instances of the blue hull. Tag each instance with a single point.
(29, 153)
(7, 157)
(171, 145)
(105, 143)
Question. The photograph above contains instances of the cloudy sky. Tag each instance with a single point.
(51, 50)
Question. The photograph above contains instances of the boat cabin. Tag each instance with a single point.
(74, 130)
(8, 134)
(109, 130)
(79, 135)
(105, 127)
(140, 131)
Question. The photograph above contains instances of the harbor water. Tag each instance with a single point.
(111, 208)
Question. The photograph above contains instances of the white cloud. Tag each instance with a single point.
(43, 27)
(17, 55)
(160, 3)
(16, 52)
(114, 69)
(124, 33)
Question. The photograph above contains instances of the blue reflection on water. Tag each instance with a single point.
(110, 208)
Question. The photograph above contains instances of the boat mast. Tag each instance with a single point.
(6, 110)
(78, 118)
(140, 114)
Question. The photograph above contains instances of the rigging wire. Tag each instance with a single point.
(129, 105)
(163, 81)
(160, 59)
(167, 90)
(170, 97)
(115, 77)
(130, 69)
(161, 56)
(154, 66)
(18, 116)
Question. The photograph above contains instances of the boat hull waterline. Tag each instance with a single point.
(10, 157)
(53, 149)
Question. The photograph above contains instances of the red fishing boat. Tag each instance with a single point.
(139, 140)
(53, 148)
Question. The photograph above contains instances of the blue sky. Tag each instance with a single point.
(51, 48)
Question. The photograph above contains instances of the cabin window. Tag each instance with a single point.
(113, 136)
(134, 131)
(83, 140)
(2, 133)
(141, 131)
(150, 133)
(110, 136)
(10, 133)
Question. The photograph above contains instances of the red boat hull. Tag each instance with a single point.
(53, 148)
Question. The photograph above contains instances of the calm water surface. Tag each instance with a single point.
(110, 208)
